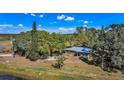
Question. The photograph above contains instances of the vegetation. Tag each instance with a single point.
(85, 36)
(33, 54)
(108, 47)
(60, 62)
(42, 44)
(107, 44)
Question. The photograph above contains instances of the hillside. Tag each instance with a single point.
(41, 69)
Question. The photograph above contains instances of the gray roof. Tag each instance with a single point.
(79, 49)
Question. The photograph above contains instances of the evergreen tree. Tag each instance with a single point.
(34, 44)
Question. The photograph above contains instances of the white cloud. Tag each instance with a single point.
(71, 29)
(61, 17)
(69, 18)
(10, 28)
(32, 14)
(66, 30)
(39, 28)
(86, 22)
(53, 22)
(62, 29)
(85, 26)
(6, 25)
(20, 25)
(39, 25)
(41, 16)
(66, 18)
(80, 20)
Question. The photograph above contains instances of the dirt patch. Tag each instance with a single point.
(22, 62)
(5, 46)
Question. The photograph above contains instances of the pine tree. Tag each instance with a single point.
(34, 44)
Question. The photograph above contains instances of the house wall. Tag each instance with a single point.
(69, 53)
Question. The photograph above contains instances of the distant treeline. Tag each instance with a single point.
(6, 36)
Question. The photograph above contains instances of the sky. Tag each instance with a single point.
(56, 22)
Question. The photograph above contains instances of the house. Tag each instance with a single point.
(81, 52)
(77, 51)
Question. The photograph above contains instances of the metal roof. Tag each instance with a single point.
(79, 49)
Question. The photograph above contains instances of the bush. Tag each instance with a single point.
(60, 62)
(33, 56)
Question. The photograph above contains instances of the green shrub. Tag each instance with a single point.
(59, 62)
(33, 56)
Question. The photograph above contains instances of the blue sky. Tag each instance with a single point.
(56, 22)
